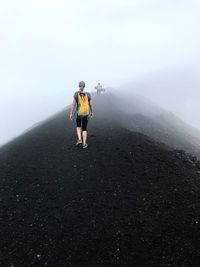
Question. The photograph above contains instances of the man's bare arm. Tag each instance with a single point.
(72, 108)
(91, 107)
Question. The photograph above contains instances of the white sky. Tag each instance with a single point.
(47, 47)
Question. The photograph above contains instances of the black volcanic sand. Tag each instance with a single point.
(125, 201)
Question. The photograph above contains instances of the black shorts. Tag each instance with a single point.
(82, 122)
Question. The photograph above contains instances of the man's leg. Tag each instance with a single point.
(84, 137)
(78, 127)
(78, 130)
(84, 129)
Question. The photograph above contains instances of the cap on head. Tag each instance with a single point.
(82, 83)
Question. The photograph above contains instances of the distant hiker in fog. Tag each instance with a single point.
(99, 88)
(81, 110)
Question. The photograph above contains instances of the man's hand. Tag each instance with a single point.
(91, 115)
(71, 116)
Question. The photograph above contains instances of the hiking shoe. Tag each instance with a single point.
(79, 142)
(85, 145)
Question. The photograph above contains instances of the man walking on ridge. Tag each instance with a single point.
(83, 107)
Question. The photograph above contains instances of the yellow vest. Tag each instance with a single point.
(83, 104)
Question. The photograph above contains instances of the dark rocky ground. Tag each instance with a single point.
(127, 200)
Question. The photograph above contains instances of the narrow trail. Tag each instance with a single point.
(125, 201)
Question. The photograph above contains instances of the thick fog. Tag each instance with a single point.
(47, 47)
